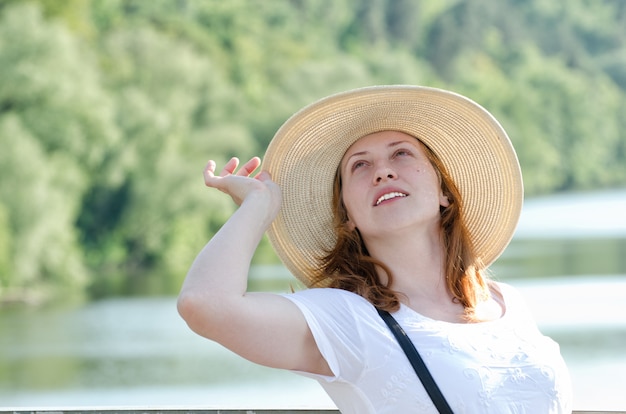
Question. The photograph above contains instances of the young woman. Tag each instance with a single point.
(392, 198)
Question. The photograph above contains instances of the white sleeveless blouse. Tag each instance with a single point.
(501, 366)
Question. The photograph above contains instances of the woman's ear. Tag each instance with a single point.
(444, 201)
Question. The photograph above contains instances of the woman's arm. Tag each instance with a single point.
(262, 327)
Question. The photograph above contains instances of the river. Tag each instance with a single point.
(568, 258)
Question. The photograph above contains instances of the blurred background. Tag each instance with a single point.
(109, 110)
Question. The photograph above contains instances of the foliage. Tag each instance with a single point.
(110, 108)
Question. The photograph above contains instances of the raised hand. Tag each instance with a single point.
(240, 184)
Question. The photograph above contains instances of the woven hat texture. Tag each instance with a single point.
(304, 155)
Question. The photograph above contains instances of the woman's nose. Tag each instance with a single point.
(383, 174)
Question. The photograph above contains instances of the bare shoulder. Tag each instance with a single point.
(494, 307)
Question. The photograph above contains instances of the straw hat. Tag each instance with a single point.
(305, 152)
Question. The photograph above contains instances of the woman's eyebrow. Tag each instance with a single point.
(356, 154)
(364, 152)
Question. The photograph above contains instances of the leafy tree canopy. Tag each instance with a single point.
(110, 108)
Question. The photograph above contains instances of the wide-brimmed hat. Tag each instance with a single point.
(303, 157)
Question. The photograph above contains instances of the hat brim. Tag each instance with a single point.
(303, 157)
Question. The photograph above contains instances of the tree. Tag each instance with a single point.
(120, 103)
(55, 129)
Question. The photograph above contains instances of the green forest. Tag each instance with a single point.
(109, 110)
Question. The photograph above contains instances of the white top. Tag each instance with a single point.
(501, 366)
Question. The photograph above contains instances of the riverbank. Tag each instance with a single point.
(137, 352)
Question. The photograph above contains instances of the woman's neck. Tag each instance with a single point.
(416, 261)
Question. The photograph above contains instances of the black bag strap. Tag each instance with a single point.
(416, 361)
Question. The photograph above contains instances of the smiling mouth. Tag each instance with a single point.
(389, 196)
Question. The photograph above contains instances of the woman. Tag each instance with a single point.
(394, 198)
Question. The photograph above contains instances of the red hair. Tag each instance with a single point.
(349, 266)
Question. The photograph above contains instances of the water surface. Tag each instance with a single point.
(138, 352)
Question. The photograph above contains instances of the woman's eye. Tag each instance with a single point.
(402, 152)
(357, 165)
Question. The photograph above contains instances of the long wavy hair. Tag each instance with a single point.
(349, 265)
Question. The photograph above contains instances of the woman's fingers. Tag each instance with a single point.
(230, 166)
(240, 184)
(249, 167)
(209, 170)
(222, 182)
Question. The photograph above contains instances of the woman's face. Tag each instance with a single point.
(389, 185)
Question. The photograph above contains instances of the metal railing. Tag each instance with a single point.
(201, 411)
